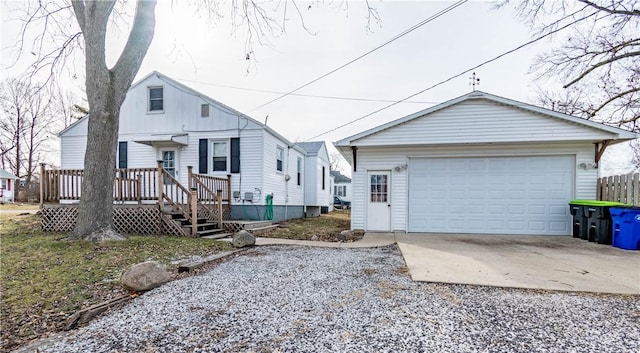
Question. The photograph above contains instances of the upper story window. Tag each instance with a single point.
(279, 158)
(156, 99)
(204, 110)
(220, 156)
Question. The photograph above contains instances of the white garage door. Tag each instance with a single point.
(501, 195)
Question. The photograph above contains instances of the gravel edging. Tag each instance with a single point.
(302, 299)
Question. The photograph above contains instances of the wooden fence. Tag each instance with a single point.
(620, 188)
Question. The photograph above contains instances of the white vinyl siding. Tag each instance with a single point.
(391, 157)
(480, 121)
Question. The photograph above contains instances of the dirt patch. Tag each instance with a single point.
(324, 228)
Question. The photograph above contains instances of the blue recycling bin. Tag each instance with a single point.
(626, 227)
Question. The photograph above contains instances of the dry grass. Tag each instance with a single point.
(45, 279)
(324, 228)
(19, 206)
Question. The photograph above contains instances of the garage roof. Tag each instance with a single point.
(616, 134)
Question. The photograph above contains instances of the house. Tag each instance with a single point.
(318, 184)
(164, 120)
(8, 183)
(478, 163)
(342, 187)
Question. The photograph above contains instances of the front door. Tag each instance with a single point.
(379, 202)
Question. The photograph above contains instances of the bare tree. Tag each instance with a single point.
(598, 62)
(635, 154)
(106, 87)
(335, 160)
(27, 116)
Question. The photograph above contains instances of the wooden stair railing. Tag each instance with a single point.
(203, 192)
(176, 195)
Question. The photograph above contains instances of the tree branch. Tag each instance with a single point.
(611, 11)
(601, 63)
(137, 45)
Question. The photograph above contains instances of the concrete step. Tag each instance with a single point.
(217, 235)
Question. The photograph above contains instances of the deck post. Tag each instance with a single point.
(189, 175)
(42, 181)
(160, 187)
(229, 190)
(219, 204)
(193, 205)
(139, 189)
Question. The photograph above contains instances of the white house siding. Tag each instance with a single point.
(323, 197)
(481, 121)
(377, 159)
(72, 151)
(348, 193)
(311, 180)
(274, 180)
(181, 112)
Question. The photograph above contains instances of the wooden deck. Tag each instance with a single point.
(146, 201)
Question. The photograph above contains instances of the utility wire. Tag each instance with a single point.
(462, 73)
(398, 36)
(303, 95)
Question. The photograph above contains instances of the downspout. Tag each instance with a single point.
(304, 184)
(287, 177)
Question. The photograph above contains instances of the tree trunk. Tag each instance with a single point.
(106, 90)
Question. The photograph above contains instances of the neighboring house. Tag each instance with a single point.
(478, 163)
(342, 187)
(318, 196)
(8, 183)
(164, 120)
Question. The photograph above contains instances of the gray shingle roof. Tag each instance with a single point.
(339, 178)
(311, 147)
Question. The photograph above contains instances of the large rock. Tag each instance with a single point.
(145, 276)
(242, 239)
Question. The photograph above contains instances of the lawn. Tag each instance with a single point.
(45, 279)
(327, 227)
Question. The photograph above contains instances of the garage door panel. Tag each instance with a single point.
(515, 195)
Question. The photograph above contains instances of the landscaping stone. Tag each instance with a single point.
(145, 276)
(344, 235)
(243, 238)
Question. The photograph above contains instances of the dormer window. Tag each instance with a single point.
(156, 99)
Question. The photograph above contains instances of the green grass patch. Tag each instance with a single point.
(45, 278)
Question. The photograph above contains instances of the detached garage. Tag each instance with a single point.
(476, 164)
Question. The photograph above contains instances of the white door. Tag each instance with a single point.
(496, 195)
(379, 202)
(169, 161)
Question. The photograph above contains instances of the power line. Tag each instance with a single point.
(303, 95)
(398, 36)
(461, 73)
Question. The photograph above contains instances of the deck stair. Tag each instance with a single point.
(204, 227)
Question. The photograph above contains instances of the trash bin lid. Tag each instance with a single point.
(597, 203)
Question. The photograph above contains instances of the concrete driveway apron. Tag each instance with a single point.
(519, 261)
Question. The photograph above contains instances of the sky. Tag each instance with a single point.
(210, 56)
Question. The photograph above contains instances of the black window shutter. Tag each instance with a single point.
(235, 155)
(202, 156)
(122, 154)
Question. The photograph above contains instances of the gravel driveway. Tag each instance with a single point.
(299, 299)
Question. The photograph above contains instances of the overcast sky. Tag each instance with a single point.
(209, 56)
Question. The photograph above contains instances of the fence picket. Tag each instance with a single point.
(620, 188)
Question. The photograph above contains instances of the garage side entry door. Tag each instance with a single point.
(498, 195)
